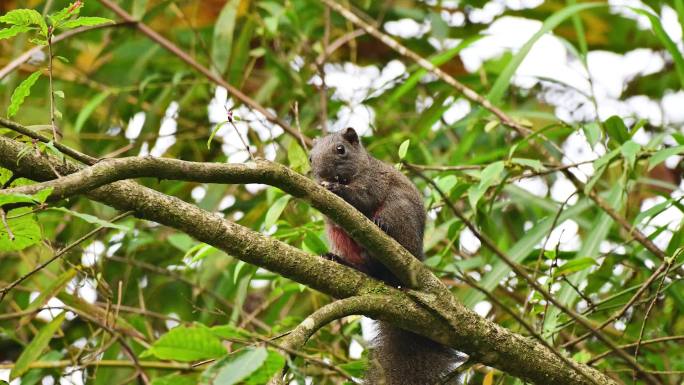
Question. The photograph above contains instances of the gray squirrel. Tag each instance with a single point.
(340, 163)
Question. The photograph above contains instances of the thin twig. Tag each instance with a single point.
(26, 56)
(5, 290)
(648, 311)
(467, 92)
(527, 327)
(10, 234)
(643, 343)
(521, 273)
(184, 56)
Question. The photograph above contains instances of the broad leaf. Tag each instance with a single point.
(25, 17)
(186, 344)
(24, 229)
(13, 31)
(232, 369)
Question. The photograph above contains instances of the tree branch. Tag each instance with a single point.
(464, 330)
(409, 269)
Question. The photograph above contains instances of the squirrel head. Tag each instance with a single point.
(338, 157)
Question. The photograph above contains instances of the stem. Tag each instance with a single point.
(52, 90)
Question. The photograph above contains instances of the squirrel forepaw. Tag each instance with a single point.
(334, 187)
(381, 224)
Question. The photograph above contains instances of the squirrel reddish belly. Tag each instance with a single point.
(341, 164)
(344, 245)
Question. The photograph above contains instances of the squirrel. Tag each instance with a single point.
(340, 163)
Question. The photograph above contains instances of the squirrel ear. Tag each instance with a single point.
(350, 136)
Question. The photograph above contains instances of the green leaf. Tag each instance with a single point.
(489, 176)
(593, 133)
(275, 210)
(214, 131)
(91, 219)
(439, 28)
(504, 80)
(25, 230)
(73, 9)
(55, 287)
(491, 125)
(13, 31)
(589, 249)
(534, 164)
(186, 344)
(25, 17)
(671, 46)
(297, 158)
(403, 148)
(229, 332)
(175, 379)
(446, 183)
(274, 363)
(88, 109)
(21, 92)
(662, 155)
(313, 243)
(222, 43)
(233, 369)
(6, 199)
(34, 349)
(630, 150)
(87, 21)
(521, 249)
(575, 265)
(139, 8)
(414, 79)
(616, 129)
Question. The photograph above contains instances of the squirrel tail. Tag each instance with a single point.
(400, 357)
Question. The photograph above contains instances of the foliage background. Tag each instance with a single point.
(124, 95)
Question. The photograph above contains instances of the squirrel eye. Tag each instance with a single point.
(340, 149)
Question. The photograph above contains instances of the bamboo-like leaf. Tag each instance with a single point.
(88, 109)
(55, 287)
(275, 210)
(222, 43)
(521, 250)
(504, 80)
(36, 347)
(663, 154)
(671, 46)
(589, 249)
